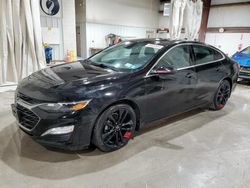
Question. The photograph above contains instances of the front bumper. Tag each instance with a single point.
(34, 121)
(244, 73)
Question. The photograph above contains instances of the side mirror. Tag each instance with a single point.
(163, 70)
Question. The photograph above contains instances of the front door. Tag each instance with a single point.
(171, 93)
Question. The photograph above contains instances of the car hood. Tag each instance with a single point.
(242, 59)
(61, 82)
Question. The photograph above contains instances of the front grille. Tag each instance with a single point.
(244, 74)
(244, 71)
(245, 68)
(26, 117)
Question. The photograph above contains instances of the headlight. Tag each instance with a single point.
(64, 107)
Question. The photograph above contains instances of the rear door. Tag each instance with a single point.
(209, 71)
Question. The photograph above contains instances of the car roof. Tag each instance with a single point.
(164, 42)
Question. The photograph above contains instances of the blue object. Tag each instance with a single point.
(48, 54)
(243, 59)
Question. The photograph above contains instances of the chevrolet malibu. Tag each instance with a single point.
(106, 99)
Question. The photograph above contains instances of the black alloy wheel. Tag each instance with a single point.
(114, 128)
(222, 95)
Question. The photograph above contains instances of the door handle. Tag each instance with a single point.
(217, 69)
(189, 75)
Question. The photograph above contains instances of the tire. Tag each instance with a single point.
(114, 128)
(221, 96)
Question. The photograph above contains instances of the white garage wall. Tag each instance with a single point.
(235, 16)
(96, 33)
(228, 42)
(163, 21)
(130, 19)
(139, 13)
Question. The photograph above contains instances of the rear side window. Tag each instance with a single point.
(204, 54)
(217, 55)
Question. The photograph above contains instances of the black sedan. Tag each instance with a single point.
(106, 99)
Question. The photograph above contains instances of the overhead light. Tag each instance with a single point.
(221, 30)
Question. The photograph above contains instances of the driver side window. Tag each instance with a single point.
(178, 57)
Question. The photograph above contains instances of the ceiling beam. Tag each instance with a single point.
(165, 1)
(230, 4)
(228, 30)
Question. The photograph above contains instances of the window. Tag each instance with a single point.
(117, 54)
(205, 54)
(177, 57)
(217, 55)
(246, 51)
(127, 56)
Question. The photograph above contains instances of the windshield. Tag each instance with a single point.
(246, 51)
(126, 56)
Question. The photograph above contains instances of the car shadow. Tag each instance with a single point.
(244, 83)
(25, 156)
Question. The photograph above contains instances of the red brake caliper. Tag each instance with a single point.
(127, 134)
(221, 105)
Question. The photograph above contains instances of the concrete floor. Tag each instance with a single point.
(196, 149)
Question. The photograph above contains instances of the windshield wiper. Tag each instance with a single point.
(103, 66)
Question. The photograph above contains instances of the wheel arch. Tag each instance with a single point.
(131, 103)
(230, 81)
